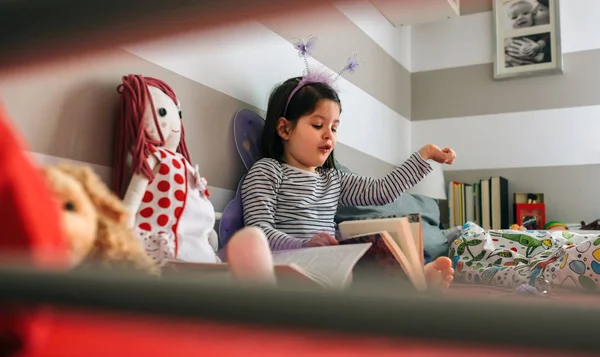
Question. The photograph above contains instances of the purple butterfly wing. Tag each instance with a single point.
(299, 45)
(310, 44)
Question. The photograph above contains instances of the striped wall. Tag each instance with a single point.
(415, 85)
(68, 111)
(541, 133)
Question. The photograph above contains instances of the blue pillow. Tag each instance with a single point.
(435, 242)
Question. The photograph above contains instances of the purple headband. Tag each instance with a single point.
(304, 50)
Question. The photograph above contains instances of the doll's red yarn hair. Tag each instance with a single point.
(132, 138)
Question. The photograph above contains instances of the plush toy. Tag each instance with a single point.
(167, 197)
(556, 226)
(592, 226)
(94, 220)
(516, 227)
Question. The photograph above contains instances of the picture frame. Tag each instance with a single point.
(527, 38)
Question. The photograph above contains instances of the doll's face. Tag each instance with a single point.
(79, 217)
(168, 116)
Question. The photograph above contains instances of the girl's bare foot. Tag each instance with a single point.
(249, 257)
(439, 273)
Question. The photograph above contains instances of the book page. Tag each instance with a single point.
(221, 272)
(391, 225)
(413, 250)
(408, 246)
(416, 228)
(331, 265)
(383, 247)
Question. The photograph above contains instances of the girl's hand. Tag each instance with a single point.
(433, 152)
(321, 239)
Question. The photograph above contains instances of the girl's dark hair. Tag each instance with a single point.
(304, 102)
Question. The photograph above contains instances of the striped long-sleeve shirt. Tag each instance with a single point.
(291, 205)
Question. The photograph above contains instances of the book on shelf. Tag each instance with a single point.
(391, 245)
(484, 202)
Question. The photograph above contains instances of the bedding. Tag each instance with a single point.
(435, 242)
(542, 259)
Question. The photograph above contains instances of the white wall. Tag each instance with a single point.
(396, 41)
(566, 136)
(468, 40)
(245, 61)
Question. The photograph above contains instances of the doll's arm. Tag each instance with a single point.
(135, 191)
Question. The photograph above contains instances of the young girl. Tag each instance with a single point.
(292, 193)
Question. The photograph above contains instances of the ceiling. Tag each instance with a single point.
(412, 12)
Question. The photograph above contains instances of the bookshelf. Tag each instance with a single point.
(484, 202)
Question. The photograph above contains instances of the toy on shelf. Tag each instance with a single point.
(94, 221)
(530, 210)
(592, 226)
(532, 198)
(516, 227)
(556, 226)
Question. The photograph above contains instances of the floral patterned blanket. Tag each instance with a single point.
(540, 259)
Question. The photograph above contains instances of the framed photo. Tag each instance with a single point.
(527, 38)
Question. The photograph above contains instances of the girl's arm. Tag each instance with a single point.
(259, 197)
(367, 191)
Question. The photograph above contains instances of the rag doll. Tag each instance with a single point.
(167, 197)
(94, 221)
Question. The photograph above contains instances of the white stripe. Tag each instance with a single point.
(219, 197)
(468, 40)
(246, 61)
(460, 41)
(553, 137)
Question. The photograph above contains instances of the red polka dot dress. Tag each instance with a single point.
(176, 208)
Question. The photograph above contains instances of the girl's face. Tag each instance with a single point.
(521, 14)
(309, 144)
(541, 15)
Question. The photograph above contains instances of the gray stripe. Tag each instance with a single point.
(75, 119)
(565, 202)
(380, 75)
(470, 90)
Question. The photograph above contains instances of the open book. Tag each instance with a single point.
(390, 244)
(396, 243)
(328, 266)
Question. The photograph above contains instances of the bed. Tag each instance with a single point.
(91, 314)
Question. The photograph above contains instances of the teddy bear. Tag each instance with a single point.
(94, 221)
